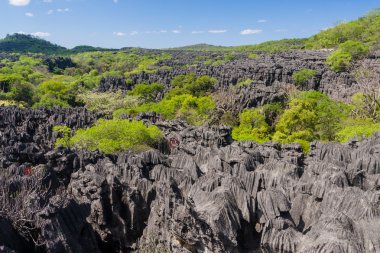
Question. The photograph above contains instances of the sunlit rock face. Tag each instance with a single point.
(202, 193)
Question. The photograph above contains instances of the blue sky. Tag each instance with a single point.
(170, 23)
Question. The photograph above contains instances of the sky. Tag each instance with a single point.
(172, 23)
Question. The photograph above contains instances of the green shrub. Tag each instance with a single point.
(65, 133)
(310, 116)
(194, 110)
(302, 76)
(56, 92)
(339, 61)
(147, 92)
(252, 127)
(190, 84)
(117, 135)
(356, 49)
(358, 129)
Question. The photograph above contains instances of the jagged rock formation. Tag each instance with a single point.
(205, 193)
(268, 72)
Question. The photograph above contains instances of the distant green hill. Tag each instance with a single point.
(365, 29)
(201, 47)
(82, 49)
(24, 43)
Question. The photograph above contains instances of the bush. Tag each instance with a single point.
(108, 102)
(190, 84)
(310, 116)
(117, 135)
(340, 60)
(253, 127)
(194, 110)
(302, 76)
(358, 129)
(148, 92)
(55, 92)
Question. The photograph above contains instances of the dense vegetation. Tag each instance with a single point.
(72, 79)
(112, 136)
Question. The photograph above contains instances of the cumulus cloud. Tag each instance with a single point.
(50, 12)
(41, 34)
(262, 21)
(176, 31)
(217, 31)
(119, 34)
(133, 33)
(29, 14)
(250, 31)
(19, 2)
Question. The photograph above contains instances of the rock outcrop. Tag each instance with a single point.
(203, 193)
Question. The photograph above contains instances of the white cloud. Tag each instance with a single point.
(281, 30)
(41, 34)
(119, 34)
(19, 2)
(133, 33)
(197, 32)
(176, 31)
(250, 31)
(217, 31)
(163, 31)
(29, 14)
(50, 12)
(262, 21)
(63, 10)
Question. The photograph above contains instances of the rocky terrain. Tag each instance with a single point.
(270, 73)
(199, 191)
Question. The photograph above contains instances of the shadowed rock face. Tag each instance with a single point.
(207, 193)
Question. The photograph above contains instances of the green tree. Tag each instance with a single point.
(252, 126)
(117, 135)
(302, 76)
(148, 92)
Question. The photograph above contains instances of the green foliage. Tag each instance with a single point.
(56, 93)
(107, 102)
(252, 127)
(245, 82)
(194, 110)
(117, 135)
(65, 133)
(340, 60)
(302, 76)
(358, 129)
(23, 43)
(190, 84)
(364, 29)
(356, 49)
(22, 92)
(310, 116)
(147, 92)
